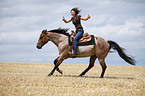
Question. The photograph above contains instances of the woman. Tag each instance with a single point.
(76, 19)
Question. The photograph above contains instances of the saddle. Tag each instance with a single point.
(84, 41)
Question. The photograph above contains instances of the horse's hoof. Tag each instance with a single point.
(101, 77)
(80, 75)
(49, 74)
(60, 71)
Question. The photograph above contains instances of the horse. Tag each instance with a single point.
(99, 50)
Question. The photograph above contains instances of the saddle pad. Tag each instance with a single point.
(91, 42)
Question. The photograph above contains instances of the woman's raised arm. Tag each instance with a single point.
(85, 19)
(63, 19)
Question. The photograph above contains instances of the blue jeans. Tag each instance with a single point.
(79, 35)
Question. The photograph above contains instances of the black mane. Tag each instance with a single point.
(60, 31)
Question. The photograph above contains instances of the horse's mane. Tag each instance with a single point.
(60, 31)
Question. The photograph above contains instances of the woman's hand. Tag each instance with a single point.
(89, 16)
(63, 19)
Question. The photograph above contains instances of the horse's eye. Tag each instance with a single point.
(41, 37)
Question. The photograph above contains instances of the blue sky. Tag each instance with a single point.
(21, 22)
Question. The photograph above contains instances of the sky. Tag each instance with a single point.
(22, 21)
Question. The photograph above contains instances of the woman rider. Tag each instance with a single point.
(76, 19)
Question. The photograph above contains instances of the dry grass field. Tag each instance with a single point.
(30, 79)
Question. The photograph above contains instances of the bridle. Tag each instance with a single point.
(41, 37)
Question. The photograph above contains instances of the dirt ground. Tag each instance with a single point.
(30, 79)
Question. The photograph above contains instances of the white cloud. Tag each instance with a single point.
(19, 37)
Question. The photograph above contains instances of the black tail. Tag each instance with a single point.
(121, 52)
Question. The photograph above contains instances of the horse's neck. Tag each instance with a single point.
(58, 39)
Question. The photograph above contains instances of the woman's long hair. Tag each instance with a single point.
(77, 10)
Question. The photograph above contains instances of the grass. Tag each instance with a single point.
(30, 79)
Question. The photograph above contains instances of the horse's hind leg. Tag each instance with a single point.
(55, 61)
(103, 65)
(92, 61)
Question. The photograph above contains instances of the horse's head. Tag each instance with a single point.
(43, 39)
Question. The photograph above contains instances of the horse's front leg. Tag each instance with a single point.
(55, 62)
(59, 61)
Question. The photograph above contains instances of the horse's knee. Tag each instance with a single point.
(102, 63)
(55, 61)
(105, 67)
(91, 65)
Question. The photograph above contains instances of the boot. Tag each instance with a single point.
(74, 55)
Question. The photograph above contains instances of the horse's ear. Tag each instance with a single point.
(44, 31)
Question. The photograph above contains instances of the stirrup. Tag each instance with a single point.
(74, 55)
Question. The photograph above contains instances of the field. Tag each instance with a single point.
(30, 79)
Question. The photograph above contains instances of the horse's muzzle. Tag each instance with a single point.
(39, 46)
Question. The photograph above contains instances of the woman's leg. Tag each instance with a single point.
(77, 37)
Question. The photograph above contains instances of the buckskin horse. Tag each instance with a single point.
(99, 49)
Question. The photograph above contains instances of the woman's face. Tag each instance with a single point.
(73, 13)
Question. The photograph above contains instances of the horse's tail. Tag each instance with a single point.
(121, 52)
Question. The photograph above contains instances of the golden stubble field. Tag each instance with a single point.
(30, 79)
